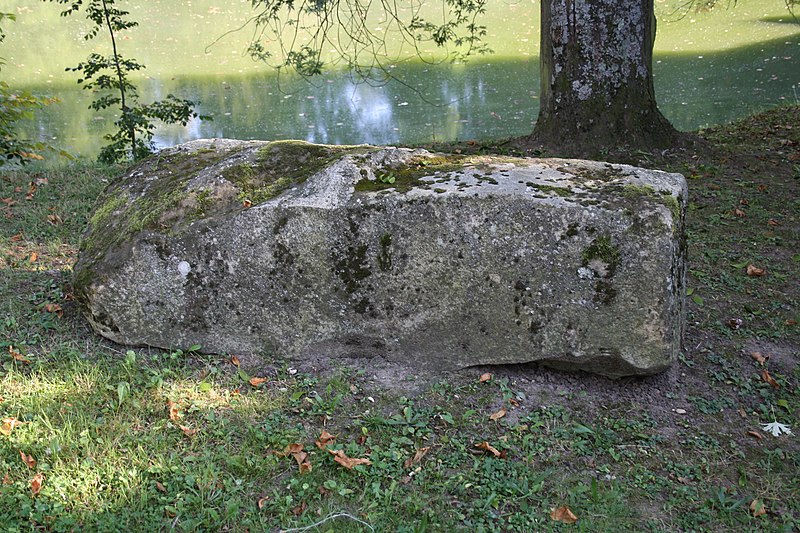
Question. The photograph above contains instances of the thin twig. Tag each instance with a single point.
(326, 519)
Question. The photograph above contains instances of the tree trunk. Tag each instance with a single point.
(597, 77)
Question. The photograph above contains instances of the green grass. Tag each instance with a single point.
(95, 417)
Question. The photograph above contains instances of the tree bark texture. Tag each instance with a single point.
(597, 78)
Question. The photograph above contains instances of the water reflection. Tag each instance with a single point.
(493, 98)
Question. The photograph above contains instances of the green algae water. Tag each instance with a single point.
(710, 68)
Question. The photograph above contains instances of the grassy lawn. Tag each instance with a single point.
(99, 437)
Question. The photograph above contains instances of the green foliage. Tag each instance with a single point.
(15, 106)
(304, 34)
(109, 76)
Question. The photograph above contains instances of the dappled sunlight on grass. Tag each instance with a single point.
(100, 431)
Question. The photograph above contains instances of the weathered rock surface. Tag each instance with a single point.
(301, 250)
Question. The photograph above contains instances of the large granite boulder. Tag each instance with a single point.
(438, 261)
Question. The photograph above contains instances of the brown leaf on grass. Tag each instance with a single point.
(563, 514)
(27, 459)
(296, 451)
(16, 238)
(754, 271)
(418, 455)
(33, 258)
(54, 308)
(735, 323)
(772, 222)
(15, 355)
(762, 188)
(7, 479)
(324, 439)
(347, 462)
(757, 508)
(189, 432)
(489, 448)
(790, 322)
(755, 434)
(173, 409)
(8, 201)
(8, 425)
(42, 181)
(300, 509)
(769, 379)
(760, 359)
(31, 191)
(738, 213)
(234, 360)
(160, 487)
(247, 204)
(54, 219)
(256, 381)
(485, 377)
(262, 501)
(744, 201)
(36, 483)
(498, 415)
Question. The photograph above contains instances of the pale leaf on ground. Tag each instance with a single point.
(563, 514)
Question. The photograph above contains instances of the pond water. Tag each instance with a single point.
(710, 68)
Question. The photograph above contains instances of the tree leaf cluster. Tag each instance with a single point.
(109, 76)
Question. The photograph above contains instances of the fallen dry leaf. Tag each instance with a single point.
(761, 359)
(744, 201)
(324, 439)
(255, 381)
(738, 213)
(234, 360)
(54, 308)
(735, 323)
(563, 514)
(31, 191)
(757, 508)
(485, 377)
(27, 459)
(54, 219)
(41, 181)
(296, 451)
(247, 203)
(498, 415)
(772, 222)
(160, 487)
(262, 501)
(755, 434)
(418, 455)
(762, 188)
(173, 409)
(33, 258)
(189, 432)
(36, 483)
(16, 238)
(790, 322)
(300, 509)
(769, 379)
(7, 479)
(347, 462)
(8, 426)
(489, 448)
(15, 355)
(754, 271)
(8, 201)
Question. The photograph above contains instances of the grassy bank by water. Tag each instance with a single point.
(94, 436)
